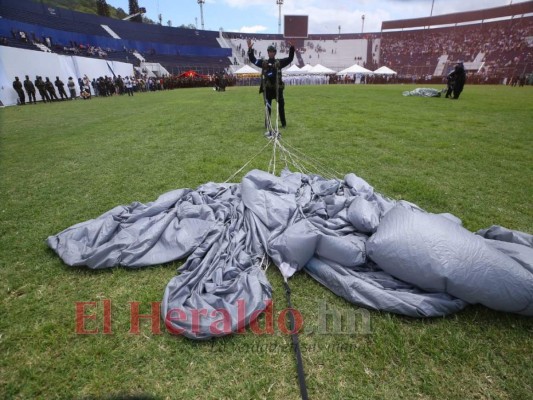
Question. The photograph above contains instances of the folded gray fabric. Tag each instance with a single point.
(439, 255)
(414, 263)
(423, 92)
(500, 233)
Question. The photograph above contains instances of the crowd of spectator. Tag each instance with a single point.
(20, 38)
(502, 46)
(83, 50)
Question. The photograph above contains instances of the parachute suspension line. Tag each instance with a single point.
(272, 169)
(268, 109)
(300, 164)
(296, 163)
(310, 161)
(283, 156)
(268, 120)
(282, 150)
(278, 73)
(265, 262)
(248, 162)
(317, 164)
(272, 129)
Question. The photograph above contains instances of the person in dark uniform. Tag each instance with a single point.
(458, 75)
(41, 87)
(271, 80)
(30, 89)
(17, 85)
(449, 84)
(220, 82)
(49, 86)
(61, 88)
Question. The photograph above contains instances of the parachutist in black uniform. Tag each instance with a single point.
(458, 76)
(271, 80)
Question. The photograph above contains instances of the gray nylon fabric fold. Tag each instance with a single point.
(423, 92)
(373, 251)
(500, 233)
(439, 255)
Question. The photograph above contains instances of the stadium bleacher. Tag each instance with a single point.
(501, 48)
(492, 49)
(118, 39)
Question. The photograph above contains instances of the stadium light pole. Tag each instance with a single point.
(202, 2)
(279, 3)
(362, 23)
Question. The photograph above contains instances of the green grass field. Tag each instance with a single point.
(68, 162)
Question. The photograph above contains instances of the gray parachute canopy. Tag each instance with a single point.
(374, 252)
(423, 92)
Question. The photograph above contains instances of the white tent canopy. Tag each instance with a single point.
(246, 70)
(385, 71)
(320, 69)
(355, 69)
(306, 68)
(293, 70)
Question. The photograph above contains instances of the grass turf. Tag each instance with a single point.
(64, 163)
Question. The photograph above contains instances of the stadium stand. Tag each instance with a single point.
(329, 50)
(495, 44)
(72, 32)
(494, 49)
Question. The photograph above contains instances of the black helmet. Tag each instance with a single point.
(272, 48)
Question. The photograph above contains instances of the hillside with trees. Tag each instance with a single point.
(99, 7)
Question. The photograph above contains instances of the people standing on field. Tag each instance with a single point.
(61, 88)
(71, 87)
(41, 87)
(30, 90)
(49, 86)
(128, 84)
(17, 85)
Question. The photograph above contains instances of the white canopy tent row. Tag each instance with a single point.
(319, 74)
(308, 75)
(352, 70)
(307, 69)
(293, 75)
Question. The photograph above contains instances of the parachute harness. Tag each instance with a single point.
(265, 84)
